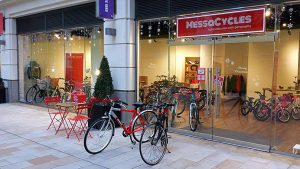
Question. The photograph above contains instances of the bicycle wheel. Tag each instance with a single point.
(98, 136)
(283, 115)
(180, 105)
(296, 113)
(262, 112)
(147, 117)
(193, 117)
(245, 108)
(40, 95)
(30, 94)
(153, 144)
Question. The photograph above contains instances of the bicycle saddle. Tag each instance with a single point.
(138, 104)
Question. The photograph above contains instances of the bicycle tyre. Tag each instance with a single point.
(262, 112)
(296, 113)
(180, 102)
(245, 108)
(30, 94)
(93, 130)
(149, 117)
(193, 121)
(156, 137)
(40, 96)
(283, 115)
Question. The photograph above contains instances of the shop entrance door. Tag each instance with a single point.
(74, 69)
(234, 69)
(242, 69)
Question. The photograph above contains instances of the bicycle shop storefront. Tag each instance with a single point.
(249, 53)
(59, 50)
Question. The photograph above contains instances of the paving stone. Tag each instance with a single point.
(42, 149)
(182, 163)
(229, 164)
(43, 159)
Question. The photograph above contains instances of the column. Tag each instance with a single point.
(120, 51)
(9, 60)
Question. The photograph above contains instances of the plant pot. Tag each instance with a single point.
(98, 110)
(2, 95)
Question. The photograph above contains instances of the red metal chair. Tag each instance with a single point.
(79, 122)
(55, 115)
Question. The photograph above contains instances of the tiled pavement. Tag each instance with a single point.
(25, 143)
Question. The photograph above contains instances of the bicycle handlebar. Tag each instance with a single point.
(257, 92)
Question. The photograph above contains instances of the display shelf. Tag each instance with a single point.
(191, 68)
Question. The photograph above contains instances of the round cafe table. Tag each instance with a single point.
(65, 107)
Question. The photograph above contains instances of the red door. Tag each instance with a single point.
(74, 68)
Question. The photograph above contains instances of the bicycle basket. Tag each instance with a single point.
(54, 82)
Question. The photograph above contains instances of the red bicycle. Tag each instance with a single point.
(100, 133)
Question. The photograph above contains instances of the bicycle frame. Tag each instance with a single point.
(127, 129)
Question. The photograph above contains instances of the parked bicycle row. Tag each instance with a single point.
(148, 127)
(54, 87)
(281, 108)
(183, 97)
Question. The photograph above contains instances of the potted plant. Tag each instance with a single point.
(103, 87)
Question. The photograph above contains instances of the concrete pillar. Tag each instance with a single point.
(9, 60)
(120, 51)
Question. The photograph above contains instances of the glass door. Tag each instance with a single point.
(286, 113)
(191, 63)
(243, 72)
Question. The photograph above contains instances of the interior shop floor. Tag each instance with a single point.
(232, 124)
(25, 143)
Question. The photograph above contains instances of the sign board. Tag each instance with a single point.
(201, 74)
(233, 22)
(220, 80)
(105, 9)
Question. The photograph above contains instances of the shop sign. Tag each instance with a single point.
(1, 23)
(105, 9)
(220, 80)
(234, 22)
(201, 74)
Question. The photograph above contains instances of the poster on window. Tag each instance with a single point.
(201, 74)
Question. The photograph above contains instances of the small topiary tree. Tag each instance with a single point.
(103, 85)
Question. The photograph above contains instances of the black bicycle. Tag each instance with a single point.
(154, 138)
(33, 90)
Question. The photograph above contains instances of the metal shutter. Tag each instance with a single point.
(71, 17)
(30, 24)
(147, 9)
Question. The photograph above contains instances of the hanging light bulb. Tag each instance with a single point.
(52, 68)
(268, 12)
(284, 24)
(97, 72)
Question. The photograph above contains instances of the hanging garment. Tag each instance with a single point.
(228, 88)
(243, 86)
(33, 70)
(238, 84)
(233, 84)
(224, 86)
